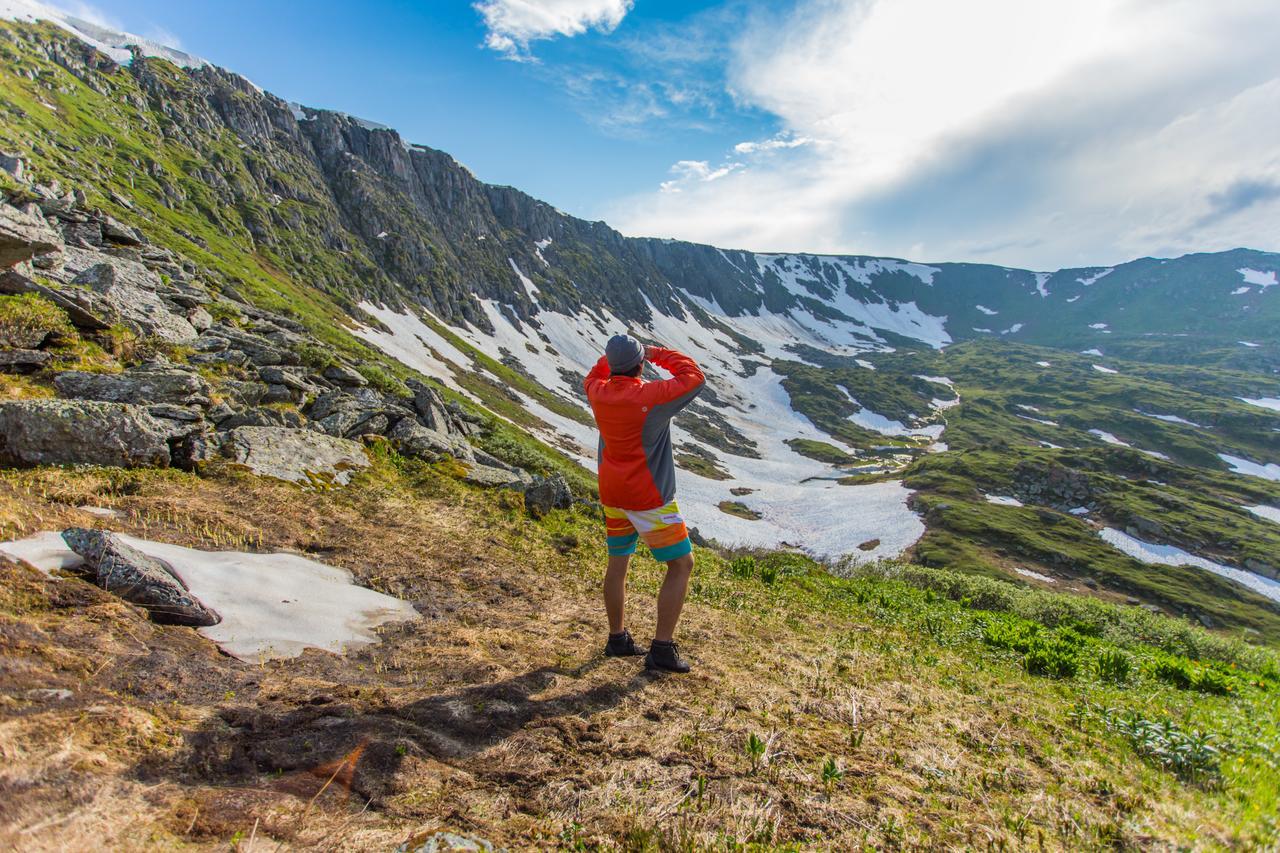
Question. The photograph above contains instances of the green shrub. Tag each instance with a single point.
(29, 313)
(1113, 665)
(1053, 659)
(742, 567)
(382, 380)
(315, 357)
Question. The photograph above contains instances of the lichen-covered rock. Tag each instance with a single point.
(444, 842)
(139, 579)
(23, 360)
(23, 236)
(80, 432)
(547, 493)
(131, 289)
(296, 455)
(413, 439)
(489, 478)
(141, 385)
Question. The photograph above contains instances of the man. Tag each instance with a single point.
(638, 484)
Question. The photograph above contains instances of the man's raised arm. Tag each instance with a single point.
(686, 379)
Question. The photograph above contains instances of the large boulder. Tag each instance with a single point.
(132, 291)
(547, 493)
(81, 432)
(296, 455)
(413, 439)
(141, 385)
(137, 578)
(23, 236)
(489, 478)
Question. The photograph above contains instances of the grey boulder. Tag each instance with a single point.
(23, 236)
(413, 439)
(489, 478)
(142, 385)
(296, 455)
(138, 578)
(547, 493)
(131, 290)
(23, 360)
(81, 432)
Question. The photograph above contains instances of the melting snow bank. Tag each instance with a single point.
(1268, 471)
(1168, 555)
(1272, 403)
(1270, 513)
(272, 605)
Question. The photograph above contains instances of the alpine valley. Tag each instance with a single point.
(208, 283)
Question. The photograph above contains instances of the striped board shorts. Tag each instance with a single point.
(662, 529)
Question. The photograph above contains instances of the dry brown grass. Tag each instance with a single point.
(494, 714)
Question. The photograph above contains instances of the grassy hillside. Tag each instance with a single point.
(903, 708)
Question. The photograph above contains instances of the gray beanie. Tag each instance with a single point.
(623, 352)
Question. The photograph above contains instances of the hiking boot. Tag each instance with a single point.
(665, 657)
(621, 646)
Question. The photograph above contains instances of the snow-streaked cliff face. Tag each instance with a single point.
(111, 42)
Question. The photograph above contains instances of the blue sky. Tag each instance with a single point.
(1038, 134)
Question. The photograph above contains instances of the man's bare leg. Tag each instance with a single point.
(671, 597)
(615, 590)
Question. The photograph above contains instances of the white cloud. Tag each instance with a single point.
(696, 171)
(1044, 134)
(777, 142)
(513, 24)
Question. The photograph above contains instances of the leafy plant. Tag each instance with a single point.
(743, 567)
(832, 774)
(755, 748)
(1113, 665)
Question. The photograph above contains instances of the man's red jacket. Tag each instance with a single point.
(634, 417)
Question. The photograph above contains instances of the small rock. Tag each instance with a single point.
(869, 545)
(139, 579)
(486, 477)
(118, 232)
(23, 360)
(344, 376)
(15, 166)
(444, 842)
(547, 493)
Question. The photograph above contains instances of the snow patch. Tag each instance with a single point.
(1249, 344)
(1002, 500)
(1101, 369)
(1092, 279)
(1027, 573)
(1169, 555)
(1263, 279)
(1272, 403)
(1270, 513)
(1172, 419)
(1108, 438)
(1241, 291)
(272, 605)
(1097, 325)
(1094, 351)
(1267, 471)
(986, 310)
(1041, 279)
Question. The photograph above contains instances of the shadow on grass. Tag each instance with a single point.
(358, 746)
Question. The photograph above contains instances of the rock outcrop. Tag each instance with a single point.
(81, 432)
(297, 455)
